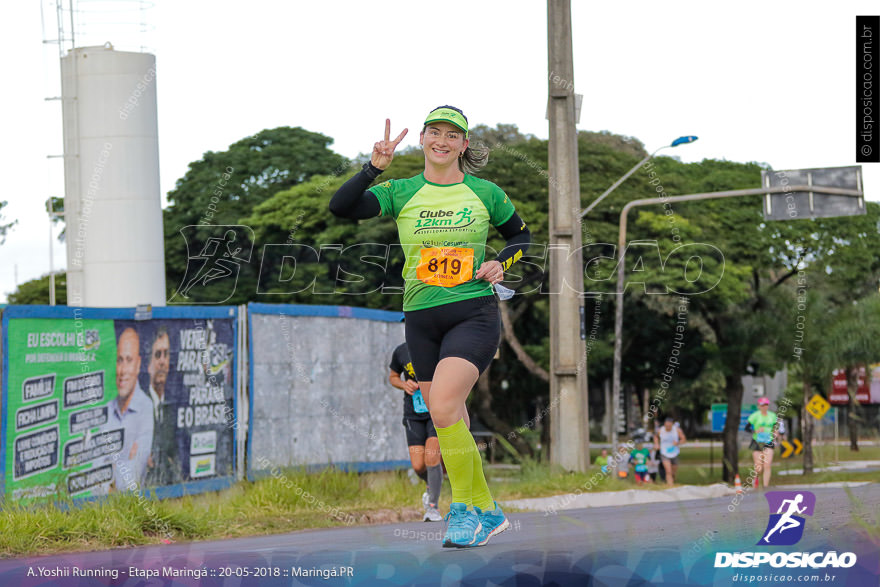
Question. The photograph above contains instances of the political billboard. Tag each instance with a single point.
(96, 402)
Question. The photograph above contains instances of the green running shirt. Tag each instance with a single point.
(767, 422)
(431, 215)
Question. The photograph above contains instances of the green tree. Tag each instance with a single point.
(315, 258)
(36, 291)
(223, 187)
(827, 336)
(503, 134)
(853, 341)
(807, 347)
(4, 228)
(759, 257)
(728, 326)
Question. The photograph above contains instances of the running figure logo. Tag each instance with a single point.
(786, 526)
(464, 216)
(217, 264)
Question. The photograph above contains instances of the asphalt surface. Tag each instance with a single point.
(644, 544)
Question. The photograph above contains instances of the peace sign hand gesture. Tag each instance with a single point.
(383, 151)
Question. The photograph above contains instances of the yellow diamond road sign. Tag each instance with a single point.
(817, 406)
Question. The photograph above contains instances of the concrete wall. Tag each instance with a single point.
(319, 389)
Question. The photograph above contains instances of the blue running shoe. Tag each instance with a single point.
(463, 526)
(492, 523)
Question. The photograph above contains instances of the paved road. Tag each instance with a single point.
(660, 543)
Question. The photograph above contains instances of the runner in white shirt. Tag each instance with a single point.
(668, 439)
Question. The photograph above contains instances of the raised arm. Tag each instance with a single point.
(353, 200)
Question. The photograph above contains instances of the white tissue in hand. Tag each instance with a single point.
(503, 292)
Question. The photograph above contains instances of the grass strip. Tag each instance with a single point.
(292, 500)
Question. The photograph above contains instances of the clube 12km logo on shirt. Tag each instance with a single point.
(785, 528)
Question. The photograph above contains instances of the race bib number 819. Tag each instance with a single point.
(445, 266)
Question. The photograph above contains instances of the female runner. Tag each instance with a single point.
(453, 327)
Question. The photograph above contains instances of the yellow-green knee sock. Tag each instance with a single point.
(458, 448)
(481, 496)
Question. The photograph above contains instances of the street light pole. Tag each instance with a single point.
(52, 216)
(679, 141)
(615, 393)
(621, 246)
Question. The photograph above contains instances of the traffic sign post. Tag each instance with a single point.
(817, 406)
(719, 416)
(796, 203)
(795, 446)
(787, 449)
(836, 420)
(836, 447)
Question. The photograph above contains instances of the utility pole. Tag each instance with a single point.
(569, 424)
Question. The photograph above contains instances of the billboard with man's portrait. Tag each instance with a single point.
(96, 403)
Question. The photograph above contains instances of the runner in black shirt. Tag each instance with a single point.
(421, 438)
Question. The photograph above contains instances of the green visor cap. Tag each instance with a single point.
(448, 115)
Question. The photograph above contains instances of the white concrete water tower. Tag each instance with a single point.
(112, 206)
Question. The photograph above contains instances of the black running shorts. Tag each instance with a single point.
(759, 447)
(418, 431)
(469, 329)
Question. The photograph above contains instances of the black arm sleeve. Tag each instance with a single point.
(748, 427)
(518, 239)
(353, 200)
